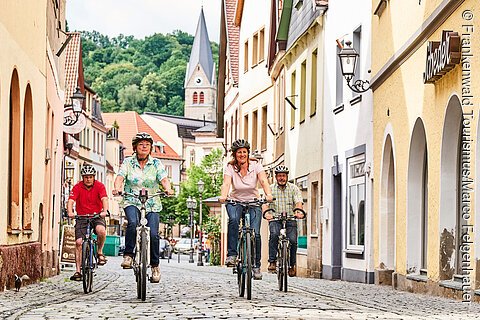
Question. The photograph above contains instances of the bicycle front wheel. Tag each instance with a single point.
(280, 266)
(285, 265)
(239, 265)
(248, 262)
(87, 273)
(143, 266)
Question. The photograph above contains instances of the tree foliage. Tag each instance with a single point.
(138, 74)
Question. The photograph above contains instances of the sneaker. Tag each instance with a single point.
(127, 262)
(231, 261)
(257, 275)
(272, 267)
(292, 271)
(155, 275)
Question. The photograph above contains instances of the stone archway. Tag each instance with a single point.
(14, 161)
(449, 188)
(387, 208)
(27, 159)
(417, 206)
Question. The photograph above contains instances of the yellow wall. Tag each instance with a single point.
(23, 34)
(407, 98)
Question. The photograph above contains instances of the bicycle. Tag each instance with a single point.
(283, 252)
(141, 260)
(246, 246)
(89, 257)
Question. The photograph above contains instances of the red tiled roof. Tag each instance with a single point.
(233, 38)
(130, 123)
(72, 60)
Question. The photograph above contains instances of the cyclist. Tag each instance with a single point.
(89, 196)
(288, 197)
(139, 171)
(242, 174)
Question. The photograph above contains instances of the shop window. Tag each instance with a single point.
(356, 202)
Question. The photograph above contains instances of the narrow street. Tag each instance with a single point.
(187, 291)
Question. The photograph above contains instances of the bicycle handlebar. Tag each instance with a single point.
(288, 216)
(138, 195)
(252, 203)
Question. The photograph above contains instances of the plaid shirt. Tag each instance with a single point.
(286, 198)
(137, 178)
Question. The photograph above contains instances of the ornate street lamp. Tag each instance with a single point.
(191, 205)
(348, 63)
(201, 188)
(76, 109)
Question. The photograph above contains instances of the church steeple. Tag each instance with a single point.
(200, 85)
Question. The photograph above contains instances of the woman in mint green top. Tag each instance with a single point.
(139, 171)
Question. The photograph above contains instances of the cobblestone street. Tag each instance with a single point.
(187, 291)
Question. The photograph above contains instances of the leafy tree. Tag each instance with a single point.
(130, 98)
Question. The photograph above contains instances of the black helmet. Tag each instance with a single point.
(281, 169)
(240, 143)
(141, 136)
(88, 170)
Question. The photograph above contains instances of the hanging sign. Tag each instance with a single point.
(442, 56)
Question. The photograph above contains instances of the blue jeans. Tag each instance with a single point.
(133, 217)
(234, 215)
(275, 227)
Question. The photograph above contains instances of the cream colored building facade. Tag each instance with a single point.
(31, 148)
(426, 156)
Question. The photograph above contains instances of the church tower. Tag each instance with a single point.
(200, 85)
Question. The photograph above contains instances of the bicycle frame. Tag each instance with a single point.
(246, 246)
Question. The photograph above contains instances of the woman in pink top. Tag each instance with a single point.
(242, 174)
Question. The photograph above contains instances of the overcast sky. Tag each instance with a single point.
(142, 18)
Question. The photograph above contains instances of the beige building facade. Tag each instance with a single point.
(426, 146)
(31, 148)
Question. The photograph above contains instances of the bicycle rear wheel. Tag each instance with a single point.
(143, 265)
(87, 273)
(248, 262)
(285, 266)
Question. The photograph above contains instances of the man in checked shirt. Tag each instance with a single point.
(288, 197)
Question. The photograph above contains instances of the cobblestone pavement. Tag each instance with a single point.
(187, 291)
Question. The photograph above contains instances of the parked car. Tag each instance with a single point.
(165, 249)
(183, 245)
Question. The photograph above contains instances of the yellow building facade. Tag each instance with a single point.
(426, 96)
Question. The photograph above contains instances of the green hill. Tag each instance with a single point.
(140, 75)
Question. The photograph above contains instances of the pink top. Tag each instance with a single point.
(244, 188)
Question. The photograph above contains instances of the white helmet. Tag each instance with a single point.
(88, 170)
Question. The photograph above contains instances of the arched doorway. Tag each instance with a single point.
(387, 208)
(14, 168)
(417, 204)
(450, 170)
(27, 159)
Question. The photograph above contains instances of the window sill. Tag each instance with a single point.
(354, 250)
(314, 235)
(14, 231)
(313, 114)
(27, 231)
(455, 284)
(338, 109)
(417, 277)
(356, 100)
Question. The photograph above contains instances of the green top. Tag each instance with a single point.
(136, 178)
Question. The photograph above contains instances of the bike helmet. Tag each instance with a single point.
(141, 136)
(281, 169)
(240, 143)
(88, 170)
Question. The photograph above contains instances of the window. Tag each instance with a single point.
(255, 50)
(245, 56)
(202, 98)
(94, 141)
(168, 168)
(235, 129)
(302, 184)
(283, 105)
(192, 157)
(195, 98)
(245, 127)
(232, 128)
(338, 81)
(293, 81)
(264, 128)
(261, 45)
(303, 90)
(313, 89)
(356, 201)
(254, 130)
